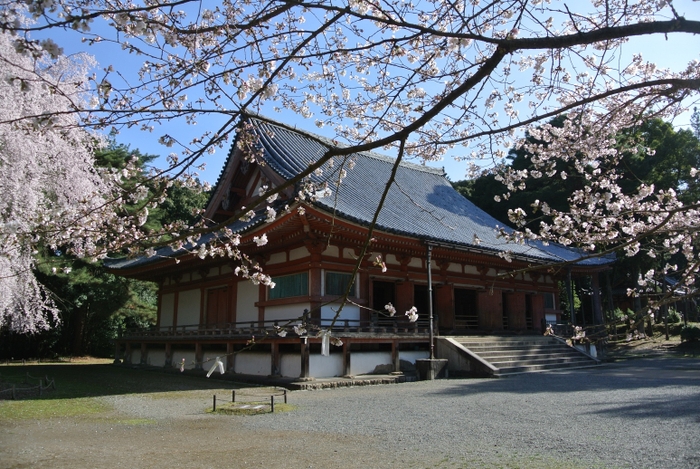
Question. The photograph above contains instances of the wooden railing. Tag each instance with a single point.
(274, 328)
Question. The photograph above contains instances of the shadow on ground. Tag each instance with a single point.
(91, 380)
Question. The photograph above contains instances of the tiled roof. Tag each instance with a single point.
(167, 252)
(422, 203)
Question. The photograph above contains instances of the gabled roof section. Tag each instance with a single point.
(421, 203)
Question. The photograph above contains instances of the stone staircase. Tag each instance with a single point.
(503, 356)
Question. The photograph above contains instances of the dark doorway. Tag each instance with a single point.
(466, 312)
(421, 300)
(529, 323)
(383, 293)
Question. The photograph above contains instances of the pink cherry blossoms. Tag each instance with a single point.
(424, 80)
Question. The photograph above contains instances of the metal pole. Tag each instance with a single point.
(570, 294)
(430, 301)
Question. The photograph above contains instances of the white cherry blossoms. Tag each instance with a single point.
(411, 314)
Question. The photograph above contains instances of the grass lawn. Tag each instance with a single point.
(79, 383)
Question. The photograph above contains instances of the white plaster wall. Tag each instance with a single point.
(326, 367)
(298, 253)
(332, 251)
(471, 269)
(196, 276)
(246, 310)
(277, 258)
(454, 267)
(290, 364)
(156, 357)
(284, 312)
(252, 363)
(225, 269)
(136, 356)
(391, 259)
(348, 253)
(362, 363)
(416, 262)
(188, 307)
(167, 308)
(349, 312)
(413, 355)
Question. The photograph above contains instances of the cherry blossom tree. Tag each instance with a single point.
(53, 195)
(423, 79)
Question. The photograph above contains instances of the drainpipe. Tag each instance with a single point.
(570, 294)
(430, 301)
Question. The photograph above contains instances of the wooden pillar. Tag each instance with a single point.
(127, 353)
(346, 357)
(159, 304)
(445, 306)
(168, 355)
(304, 358)
(597, 302)
(315, 249)
(176, 305)
(537, 305)
(570, 296)
(230, 357)
(491, 309)
(515, 307)
(198, 356)
(262, 296)
(203, 319)
(395, 355)
(611, 303)
(232, 303)
(275, 368)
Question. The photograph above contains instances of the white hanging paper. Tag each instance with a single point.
(325, 343)
(217, 363)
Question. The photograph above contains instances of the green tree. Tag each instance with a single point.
(94, 305)
(668, 164)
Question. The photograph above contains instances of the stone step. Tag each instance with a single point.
(515, 349)
(501, 372)
(523, 354)
(509, 343)
(536, 361)
(533, 356)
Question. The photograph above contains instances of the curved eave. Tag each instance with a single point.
(165, 258)
(579, 264)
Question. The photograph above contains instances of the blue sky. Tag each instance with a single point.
(674, 52)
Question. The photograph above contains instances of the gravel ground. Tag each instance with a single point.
(632, 414)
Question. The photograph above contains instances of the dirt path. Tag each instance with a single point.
(594, 418)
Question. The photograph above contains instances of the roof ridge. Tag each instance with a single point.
(332, 143)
